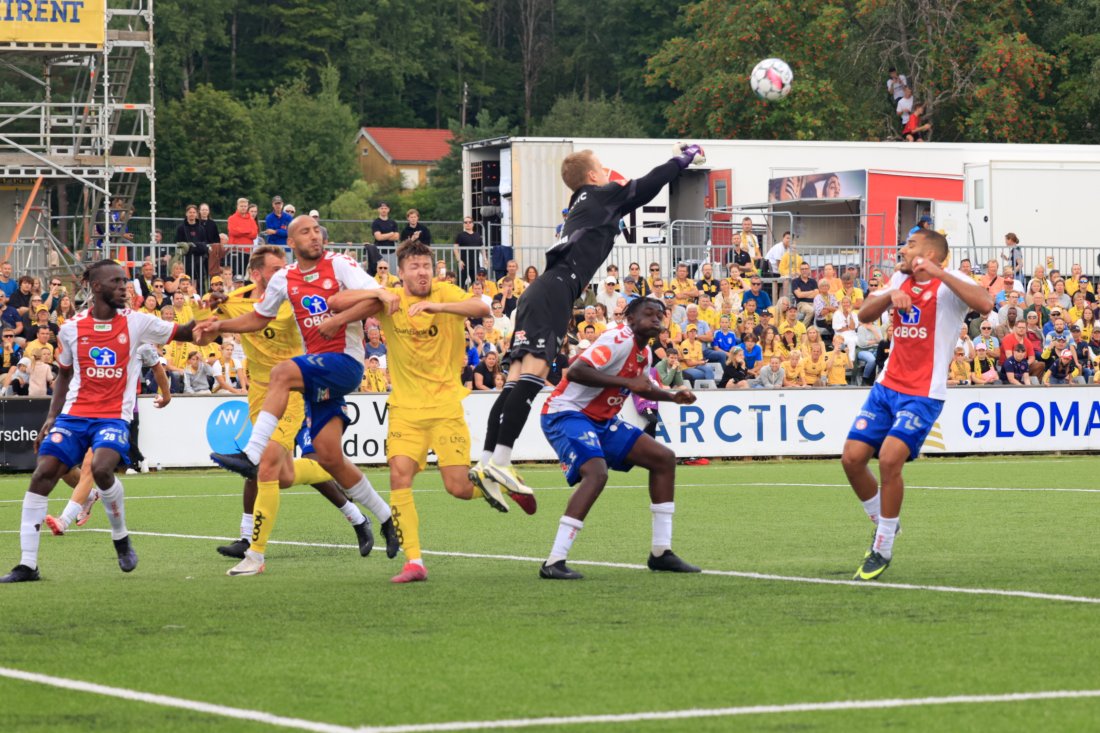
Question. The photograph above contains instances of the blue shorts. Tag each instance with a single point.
(578, 438)
(888, 412)
(70, 438)
(304, 441)
(327, 378)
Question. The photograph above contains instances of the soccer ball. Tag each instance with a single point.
(771, 79)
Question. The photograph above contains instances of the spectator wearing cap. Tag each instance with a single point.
(857, 278)
(608, 294)
(414, 229)
(1063, 370)
(324, 230)
(375, 377)
(217, 288)
(276, 223)
(985, 366)
(560, 226)
(630, 289)
(691, 355)
(925, 222)
(849, 290)
(17, 380)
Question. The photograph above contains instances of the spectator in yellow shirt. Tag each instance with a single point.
(791, 323)
(793, 370)
(814, 365)
(707, 312)
(837, 364)
(683, 286)
(488, 287)
(959, 370)
(691, 356)
(512, 273)
(849, 290)
(375, 378)
(384, 277)
(591, 320)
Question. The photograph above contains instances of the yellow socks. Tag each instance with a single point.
(308, 472)
(264, 514)
(407, 522)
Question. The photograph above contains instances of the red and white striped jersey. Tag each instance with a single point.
(309, 293)
(102, 357)
(924, 337)
(614, 352)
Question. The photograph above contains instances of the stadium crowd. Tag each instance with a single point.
(722, 328)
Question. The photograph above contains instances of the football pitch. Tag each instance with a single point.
(988, 619)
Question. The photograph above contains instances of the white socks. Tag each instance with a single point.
(563, 542)
(246, 527)
(873, 507)
(116, 512)
(884, 538)
(662, 527)
(262, 431)
(72, 511)
(486, 456)
(365, 494)
(502, 456)
(34, 514)
(352, 513)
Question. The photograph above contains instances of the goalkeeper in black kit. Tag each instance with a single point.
(543, 313)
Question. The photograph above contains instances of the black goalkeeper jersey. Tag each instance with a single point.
(593, 221)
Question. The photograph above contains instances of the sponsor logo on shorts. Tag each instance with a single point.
(57, 437)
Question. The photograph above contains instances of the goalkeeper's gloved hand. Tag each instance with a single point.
(688, 154)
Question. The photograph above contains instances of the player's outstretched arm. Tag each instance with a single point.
(246, 323)
(346, 299)
(473, 307)
(163, 386)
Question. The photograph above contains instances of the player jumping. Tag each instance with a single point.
(581, 420)
(93, 401)
(542, 318)
(264, 350)
(331, 368)
(929, 307)
(425, 337)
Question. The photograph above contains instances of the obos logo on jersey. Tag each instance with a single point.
(317, 307)
(228, 428)
(103, 365)
(911, 328)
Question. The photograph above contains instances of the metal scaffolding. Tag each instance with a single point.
(88, 124)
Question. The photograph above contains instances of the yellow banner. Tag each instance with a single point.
(52, 21)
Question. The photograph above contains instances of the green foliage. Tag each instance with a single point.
(357, 202)
(600, 117)
(306, 141)
(208, 150)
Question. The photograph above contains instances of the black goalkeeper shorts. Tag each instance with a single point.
(543, 314)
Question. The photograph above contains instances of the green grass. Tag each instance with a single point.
(324, 636)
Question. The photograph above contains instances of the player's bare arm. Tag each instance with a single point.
(470, 308)
(246, 323)
(163, 386)
(60, 394)
(969, 292)
(876, 304)
(346, 299)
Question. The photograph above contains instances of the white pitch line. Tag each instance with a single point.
(1035, 595)
(225, 711)
(259, 716)
(801, 707)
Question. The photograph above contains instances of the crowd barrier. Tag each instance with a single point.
(721, 424)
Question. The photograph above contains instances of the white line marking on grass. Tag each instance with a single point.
(257, 716)
(907, 486)
(801, 707)
(632, 566)
(236, 495)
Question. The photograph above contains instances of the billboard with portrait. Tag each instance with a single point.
(840, 185)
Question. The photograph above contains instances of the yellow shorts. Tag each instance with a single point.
(411, 435)
(288, 427)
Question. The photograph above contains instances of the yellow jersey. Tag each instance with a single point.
(425, 353)
(276, 342)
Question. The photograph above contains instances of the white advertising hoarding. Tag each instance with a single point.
(721, 424)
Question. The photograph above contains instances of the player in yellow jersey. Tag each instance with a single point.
(264, 349)
(425, 343)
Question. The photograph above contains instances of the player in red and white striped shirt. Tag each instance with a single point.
(581, 420)
(93, 403)
(929, 307)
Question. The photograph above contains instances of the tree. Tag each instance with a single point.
(572, 116)
(207, 151)
(534, 42)
(306, 141)
(709, 67)
(184, 45)
(974, 61)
